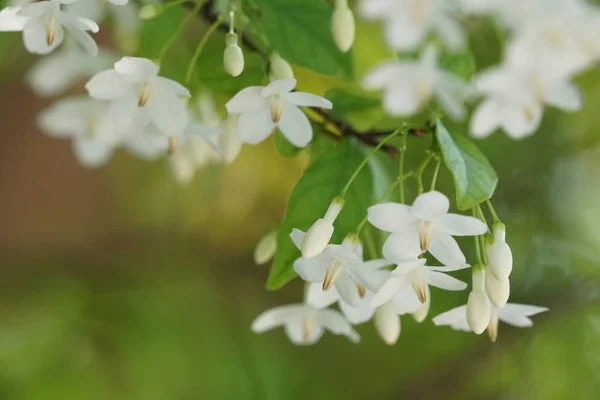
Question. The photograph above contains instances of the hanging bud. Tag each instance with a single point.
(280, 69)
(500, 258)
(265, 248)
(478, 306)
(387, 323)
(229, 140)
(319, 235)
(233, 58)
(497, 290)
(342, 25)
(150, 11)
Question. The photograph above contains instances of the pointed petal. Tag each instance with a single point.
(65, 118)
(255, 126)
(392, 217)
(10, 21)
(430, 205)
(84, 39)
(312, 269)
(520, 120)
(401, 99)
(404, 35)
(445, 249)
(316, 297)
(278, 86)
(304, 332)
(136, 69)
(452, 316)
(406, 301)
(407, 267)
(274, 317)
(443, 281)
(172, 85)
(107, 85)
(167, 112)
(297, 236)
(247, 100)
(388, 290)
(564, 95)
(520, 321)
(361, 313)
(302, 99)
(337, 324)
(36, 9)
(460, 225)
(346, 287)
(522, 309)
(486, 119)
(92, 153)
(295, 126)
(402, 247)
(35, 40)
(382, 75)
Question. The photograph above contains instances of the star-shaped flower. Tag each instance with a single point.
(140, 97)
(262, 109)
(44, 24)
(426, 224)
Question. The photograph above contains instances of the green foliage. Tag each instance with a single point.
(321, 182)
(299, 30)
(474, 177)
(284, 147)
(460, 64)
(155, 32)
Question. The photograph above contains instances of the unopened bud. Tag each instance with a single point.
(478, 311)
(334, 209)
(499, 255)
(150, 11)
(319, 234)
(387, 323)
(497, 290)
(280, 69)
(233, 58)
(265, 248)
(352, 241)
(342, 25)
(229, 141)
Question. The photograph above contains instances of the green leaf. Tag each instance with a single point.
(284, 147)
(361, 111)
(156, 32)
(460, 64)
(299, 30)
(321, 182)
(474, 177)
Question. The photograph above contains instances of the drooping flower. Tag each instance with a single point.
(305, 324)
(341, 266)
(319, 234)
(426, 224)
(262, 109)
(478, 305)
(512, 314)
(233, 57)
(87, 123)
(140, 97)
(409, 85)
(44, 24)
(407, 22)
(342, 25)
(499, 255)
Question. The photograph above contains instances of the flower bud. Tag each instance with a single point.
(387, 323)
(280, 69)
(478, 306)
(342, 25)
(265, 248)
(352, 241)
(497, 290)
(150, 11)
(500, 258)
(319, 235)
(229, 140)
(233, 58)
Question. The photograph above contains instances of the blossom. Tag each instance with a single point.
(304, 324)
(409, 85)
(319, 234)
(355, 314)
(87, 123)
(140, 97)
(426, 224)
(500, 260)
(341, 266)
(407, 22)
(44, 24)
(57, 72)
(512, 314)
(342, 25)
(262, 109)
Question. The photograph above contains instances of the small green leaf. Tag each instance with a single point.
(474, 177)
(284, 147)
(299, 30)
(460, 64)
(361, 111)
(321, 182)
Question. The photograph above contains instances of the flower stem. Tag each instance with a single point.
(438, 162)
(200, 47)
(180, 28)
(401, 167)
(493, 211)
(477, 242)
(366, 160)
(419, 172)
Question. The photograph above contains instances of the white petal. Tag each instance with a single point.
(450, 32)
(295, 126)
(92, 153)
(295, 330)
(10, 21)
(167, 112)
(346, 288)
(371, 9)
(84, 39)
(382, 75)
(307, 100)
(174, 86)
(404, 35)
(37, 9)
(430, 205)
(246, 100)
(274, 317)
(136, 69)
(368, 273)
(407, 267)
(485, 119)
(278, 86)
(337, 324)
(107, 85)
(460, 225)
(450, 101)
(519, 321)
(564, 95)
(297, 236)
(402, 247)
(392, 217)
(400, 99)
(443, 281)
(318, 298)
(387, 323)
(452, 316)
(445, 249)
(127, 116)
(521, 121)
(35, 40)
(521, 309)
(65, 118)
(77, 23)
(388, 290)
(119, 2)
(406, 301)
(312, 269)
(255, 126)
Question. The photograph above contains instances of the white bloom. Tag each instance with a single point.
(279, 68)
(512, 314)
(355, 314)
(233, 58)
(409, 85)
(426, 224)
(341, 266)
(265, 248)
(229, 142)
(305, 324)
(498, 291)
(342, 25)
(478, 305)
(87, 123)
(262, 109)
(55, 73)
(407, 22)
(140, 97)
(499, 255)
(44, 23)
(319, 234)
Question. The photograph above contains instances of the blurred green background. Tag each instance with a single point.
(118, 283)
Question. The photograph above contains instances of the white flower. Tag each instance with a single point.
(265, 248)
(499, 255)
(44, 23)
(319, 234)
(140, 97)
(512, 314)
(342, 25)
(233, 58)
(409, 85)
(357, 314)
(262, 109)
(279, 68)
(341, 266)
(407, 22)
(57, 72)
(514, 100)
(229, 141)
(87, 123)
(498, 291)
(426, 224)
(305, 324)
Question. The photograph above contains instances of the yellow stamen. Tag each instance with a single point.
(334, 269)
(361, 290)
(144, 95)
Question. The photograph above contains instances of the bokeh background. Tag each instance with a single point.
(119, 283)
